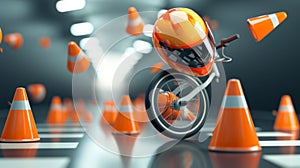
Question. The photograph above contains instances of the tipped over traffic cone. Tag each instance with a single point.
(125, 123)
(261, 26)
(165, 100)
(45, 42)
(135, 23)
(286, 117)
(55, 114)
(15, 40)
(37, 92)
(235, 131)
(109, 113)
(77, 60)
(20, 125)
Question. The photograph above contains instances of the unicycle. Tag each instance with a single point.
(176, 100)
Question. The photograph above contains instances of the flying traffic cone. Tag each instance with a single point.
(156, 67)
(125, 123)
(165, 100)
(77, 60)
(261, 26)
(286, 117)
(45, 42)
(235, 131)
(15, 40)
(55, 114)
(37, 92)
(20, 125)
(109, 113)
(135, 23)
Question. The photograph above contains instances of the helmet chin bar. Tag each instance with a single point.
(213, 75)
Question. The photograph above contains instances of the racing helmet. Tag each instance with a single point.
(184, 42)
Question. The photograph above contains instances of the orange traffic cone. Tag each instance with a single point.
(235, 131)
(69, 108)
(261, 26)
(135, 24)
(125, 123)
(77, 60)
(165, 100)
(286, 117)
(45, 42)
(15, 40)
(20, 125)
(55, 115)
(156, 67)
(37, 92)
(109, 113)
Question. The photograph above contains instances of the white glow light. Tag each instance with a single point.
(70, 5)
(142, 46)
(148, 30)
(80, 29)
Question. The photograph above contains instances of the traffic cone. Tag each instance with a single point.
(55, 114)
(125, 123)
(156, 67)
(109, 113)
(37, 92)
(68, 107)
(20, 125)
(135, 23)
(15, 40)
(286, 117)
(165, 100)
(235, 131)
(140, 112)
(261, 26)
(82, 111)
(45, 42)
(77, 60)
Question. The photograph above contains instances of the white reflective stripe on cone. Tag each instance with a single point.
(234, 102)
(77, 58)
(286, 109)
(274, 20)
(109, 108)
(56, 107)
(125, 109)
(20, 105)
(135, 22)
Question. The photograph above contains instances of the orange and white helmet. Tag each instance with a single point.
(184, 41)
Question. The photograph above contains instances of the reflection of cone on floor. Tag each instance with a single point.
(294, 135)
(109, 113)
(261, 26)
(235, 160)
(77, 60)
(55, 114)
(125, 123)
(45, 42)
(15, 40)
(125, 144)
(20, 125)
(135, 23)
(235, 131)
(37, 92)
(165, 100)
(30, 152)
(156, 67)
(286, 118)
